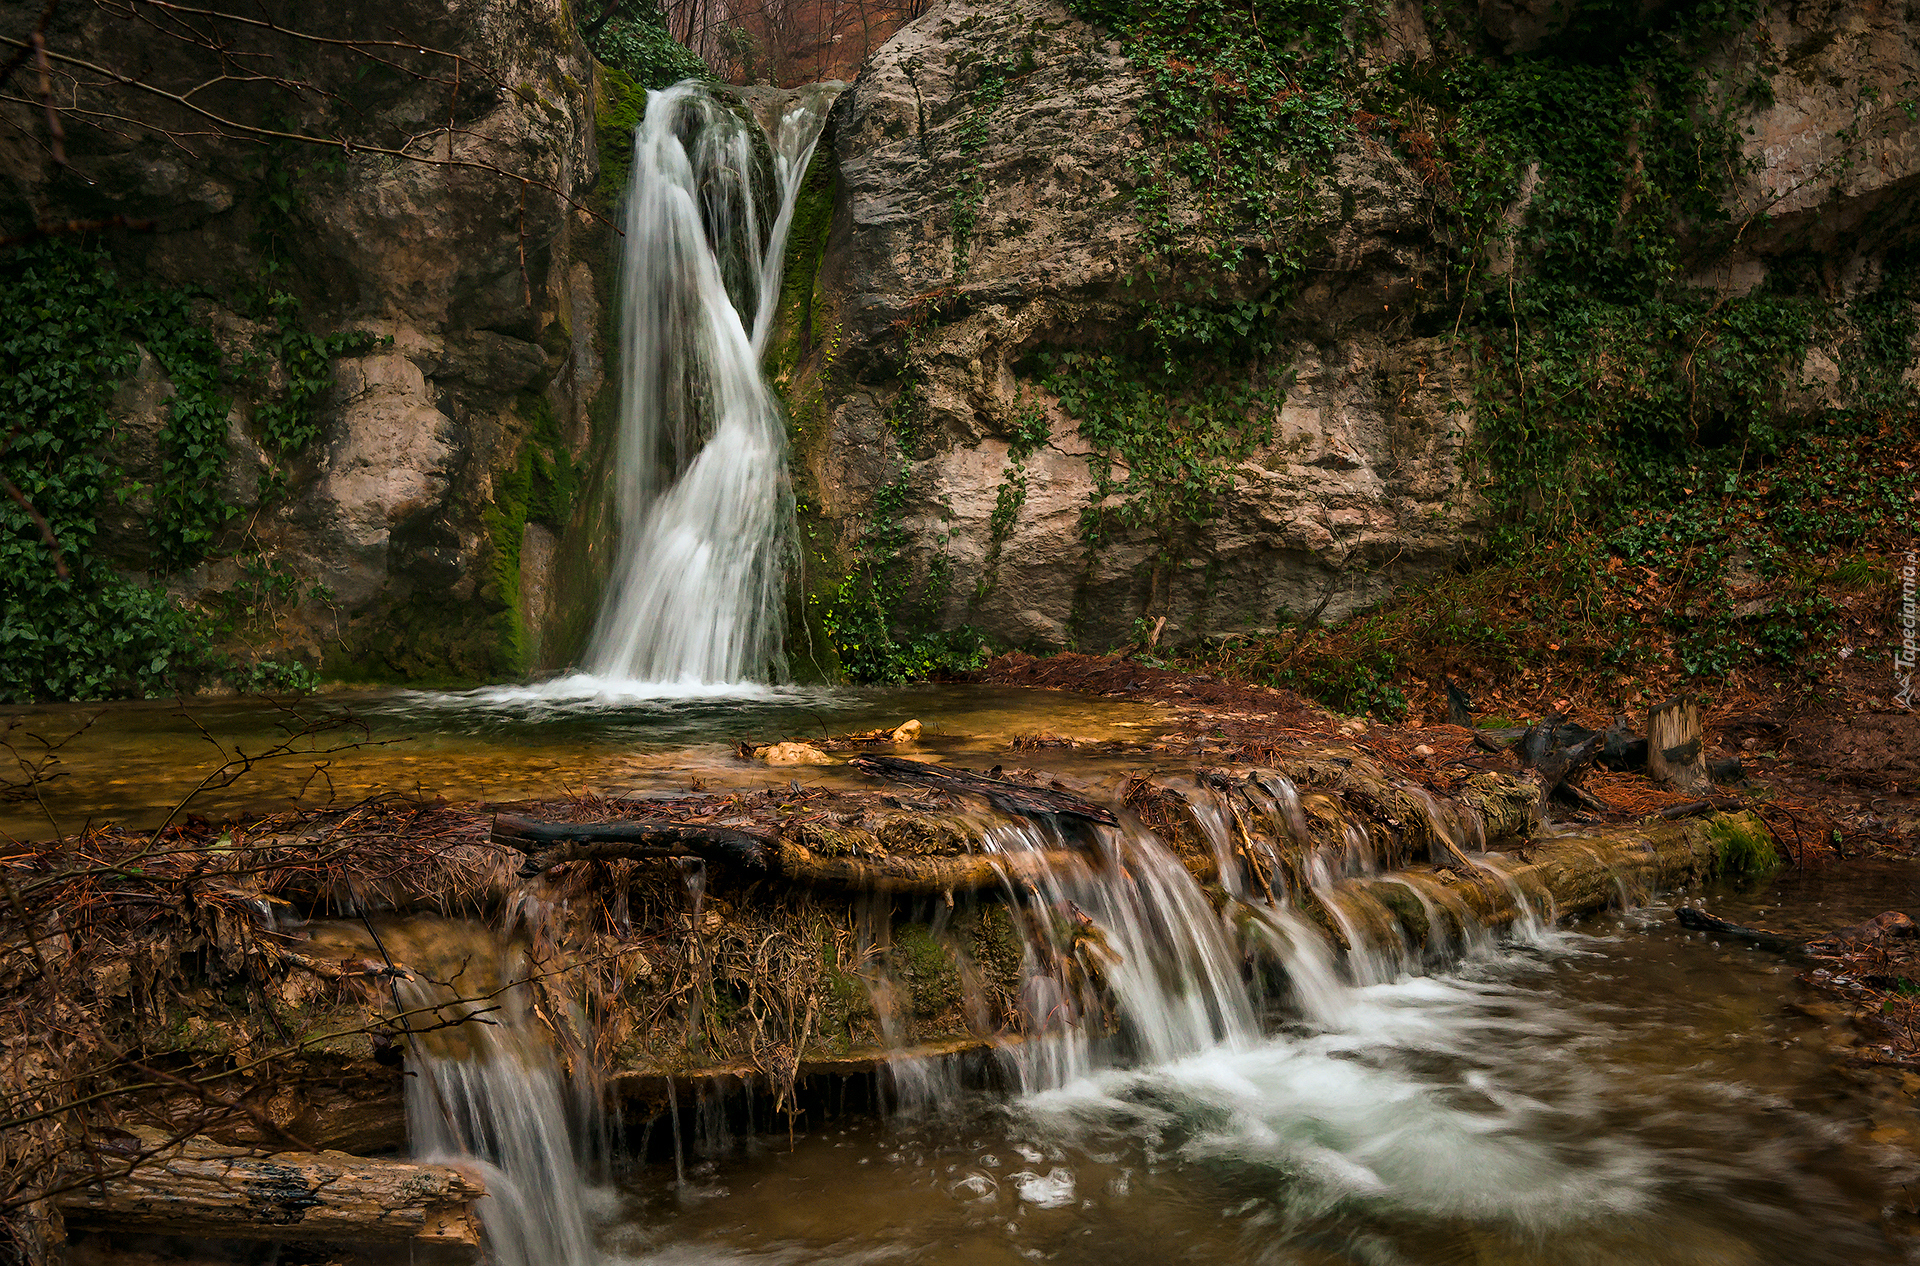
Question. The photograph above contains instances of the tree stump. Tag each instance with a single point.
(1675, 752)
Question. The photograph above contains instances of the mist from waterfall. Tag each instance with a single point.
(695, 596)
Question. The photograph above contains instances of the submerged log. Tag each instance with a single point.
(200, 1188)
(1569, 874)
(1700, 921)
(1834, 944)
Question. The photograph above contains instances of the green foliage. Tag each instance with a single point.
(288, 424)
(91, 633)
(1246, 102)
(538, 488)
(970, 191)
(72, 326)
(188, 507)
(621, 107)
(881, 622)
(1029, 431)
(1175, 435)
(644, 52)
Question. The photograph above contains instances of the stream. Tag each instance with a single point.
(135, 763)
(1614, 1091)
(1618, 1092)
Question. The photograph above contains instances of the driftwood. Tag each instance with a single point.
(1008, 797)
(550, 843)
(199, 1188)
(1838, 942)
(1700, 921)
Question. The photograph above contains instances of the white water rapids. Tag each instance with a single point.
(695, 595)
(1171, 1106)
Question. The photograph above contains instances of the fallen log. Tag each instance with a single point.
(918, 876)
(199, 1188)
(1008, 797)
(1700, 921)
(548, 844)
(1834, 944)
(1570, 874)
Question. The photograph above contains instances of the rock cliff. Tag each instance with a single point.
(992, 212)
(413, 177)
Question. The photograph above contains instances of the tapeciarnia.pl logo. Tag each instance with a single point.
(1904, 656)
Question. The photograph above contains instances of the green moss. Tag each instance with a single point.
(424, 640)
(842, 1001)
(538, 488)
(1741, 848)
(994, 944)
(932, 975)
(1405, 908)
(619, 105)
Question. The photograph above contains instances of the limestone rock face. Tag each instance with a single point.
(986, 158)
(1359, 484)
(1836, 155)
(465, 250)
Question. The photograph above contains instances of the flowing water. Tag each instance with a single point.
(1620, 1093)
(135, 763)
(696, 593)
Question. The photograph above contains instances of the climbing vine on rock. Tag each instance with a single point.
(73, 623)
(1246, 104)
(1029, 431)
(1164, 439)
(970, 189)
(882, 618)
(1635, 430)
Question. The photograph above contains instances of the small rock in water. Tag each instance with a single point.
(794, 754)
(909, 732)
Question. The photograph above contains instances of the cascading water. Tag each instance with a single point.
(695, 592)
(487, 1092)
(1141, 926)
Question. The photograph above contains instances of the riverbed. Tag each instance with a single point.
(1616, 1091)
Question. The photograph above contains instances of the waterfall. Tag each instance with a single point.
(487, 1092)
(1128, 960)
(695, 594)
(1134, 921)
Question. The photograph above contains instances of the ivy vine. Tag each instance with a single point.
(73, 623)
